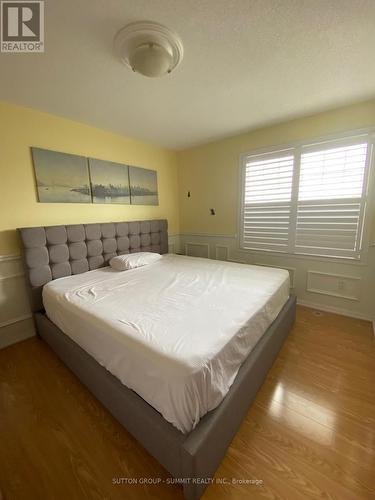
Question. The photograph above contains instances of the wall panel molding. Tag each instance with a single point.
(221, 252)
(15, 316)
(355, 300)
(190, 245)
(335, 285)
(315, 288)
(174, 244)
(16, 332)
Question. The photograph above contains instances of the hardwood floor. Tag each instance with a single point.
(309, 434)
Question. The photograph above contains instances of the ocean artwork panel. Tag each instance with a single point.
(143, 186)
(109, 182)
(61, 177)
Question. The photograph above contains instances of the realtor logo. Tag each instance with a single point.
(22, 26)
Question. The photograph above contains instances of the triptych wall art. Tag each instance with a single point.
(66, 178)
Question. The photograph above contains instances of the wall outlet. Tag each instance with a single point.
(341, 285)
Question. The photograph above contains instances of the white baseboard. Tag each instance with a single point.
(335, 310)
(15, 331)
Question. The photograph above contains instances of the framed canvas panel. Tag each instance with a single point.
(109, 182)
(61, 177)
(143, 186)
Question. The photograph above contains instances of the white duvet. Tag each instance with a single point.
(175, 331)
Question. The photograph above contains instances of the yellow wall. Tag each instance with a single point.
(21, 128)
(211, 172)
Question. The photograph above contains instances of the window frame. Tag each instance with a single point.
(297, 149)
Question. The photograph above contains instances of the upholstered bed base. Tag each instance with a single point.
(198, 454)
(53, 252)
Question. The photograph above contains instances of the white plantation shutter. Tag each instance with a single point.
(330, 201)
(267, 202)
(309, 199)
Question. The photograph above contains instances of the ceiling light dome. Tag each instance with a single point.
(149, 48)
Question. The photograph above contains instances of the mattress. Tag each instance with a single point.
(176, 331)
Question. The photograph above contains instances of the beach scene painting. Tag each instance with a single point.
(143, 186)
(61, 177)
(109, 182)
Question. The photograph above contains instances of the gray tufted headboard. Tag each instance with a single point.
(56, 251)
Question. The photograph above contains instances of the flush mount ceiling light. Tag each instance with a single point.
(148, 48)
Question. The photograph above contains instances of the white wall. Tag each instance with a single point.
(327, 284)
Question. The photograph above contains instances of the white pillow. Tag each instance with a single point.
(133, 260)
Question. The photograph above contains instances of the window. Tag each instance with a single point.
(307, 199)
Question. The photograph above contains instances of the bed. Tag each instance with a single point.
(176, 350)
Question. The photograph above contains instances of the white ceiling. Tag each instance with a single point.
(247, 63)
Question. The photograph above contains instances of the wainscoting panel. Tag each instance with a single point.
(174, 243)
(22, 329)
(221, 252)
(197, 249)
(15, 315)
(341, 286)
(335, 285)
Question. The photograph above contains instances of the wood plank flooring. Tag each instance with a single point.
(310, 433)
